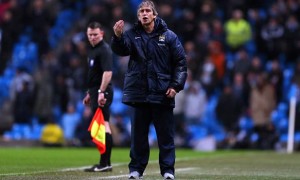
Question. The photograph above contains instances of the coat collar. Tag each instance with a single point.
(159, 26)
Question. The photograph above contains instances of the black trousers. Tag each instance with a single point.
(163, 120)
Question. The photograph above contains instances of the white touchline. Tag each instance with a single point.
(126, 175)
(83, 167)
(119, 164)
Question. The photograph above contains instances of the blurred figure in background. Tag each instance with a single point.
(43, 93)
(195, 103)
(275, 77)
(229, 109)
(241, 89)
(81, 134)
(217, 56)
(17, 82)
(40, 20)
(121, 131)
(23, 105)
(272, 34)
(208, 76)
(262, 103)
(70, 121)
(180, 123)
(292, 38)
(238, 31)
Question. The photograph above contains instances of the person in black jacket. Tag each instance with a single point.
(157, 70)
(100, 91)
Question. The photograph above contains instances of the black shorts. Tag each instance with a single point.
(94, 101)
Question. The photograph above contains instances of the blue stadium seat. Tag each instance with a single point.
(279, 116)
(117, 107)
(80, 107)
(8, 135)
(19, 131)
(263, 13)
(26, 132)
(282, 107)
(229, 60)
(246, 124)
(287, 81)
(152, 135)
(275, 117)
(297, 137)
(283, 138)
(36, 131)
(220, 13)
(25, 54)
(254, 137)
(9, 72)
(57, 113)
(64, 22)
(55, 34)
(283, 126)
(219, 136)
(251, 47)
(4, 89)
(197, 131)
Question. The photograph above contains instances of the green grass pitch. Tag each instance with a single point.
(68, 163)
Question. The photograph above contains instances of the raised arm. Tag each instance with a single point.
(118, 43)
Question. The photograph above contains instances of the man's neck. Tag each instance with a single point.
(149, 27)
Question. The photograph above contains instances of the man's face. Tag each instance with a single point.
(145, 15)
(94, 35)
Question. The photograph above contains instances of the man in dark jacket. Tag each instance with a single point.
(156, 72)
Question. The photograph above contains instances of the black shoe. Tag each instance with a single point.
(99, 168)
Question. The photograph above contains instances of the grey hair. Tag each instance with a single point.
(149, 4)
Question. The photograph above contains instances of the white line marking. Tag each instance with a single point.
(82, 168)
(126, 175)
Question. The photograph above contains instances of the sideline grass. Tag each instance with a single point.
(66, 163)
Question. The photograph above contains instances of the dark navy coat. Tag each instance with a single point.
(157, 62)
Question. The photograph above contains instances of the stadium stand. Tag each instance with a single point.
(274, 37)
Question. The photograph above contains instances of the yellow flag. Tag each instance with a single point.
(97, 130)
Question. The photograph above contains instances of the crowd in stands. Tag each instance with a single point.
(243, 69)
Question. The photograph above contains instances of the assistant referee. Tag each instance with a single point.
(100, 92)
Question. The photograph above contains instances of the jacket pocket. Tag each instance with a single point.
(162, 82)
(132, 81)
